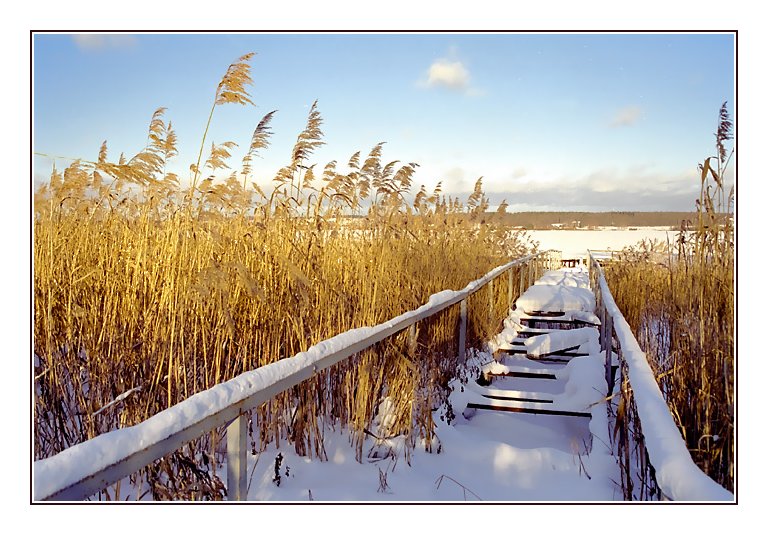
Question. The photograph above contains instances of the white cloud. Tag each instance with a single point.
(450, 74)
(95, 41)
(626, 116)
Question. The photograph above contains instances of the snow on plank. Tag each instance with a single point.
(564, 278)
(555, 341)
(556, 298)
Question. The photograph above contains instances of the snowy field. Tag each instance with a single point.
(492, 457)
(574, 243)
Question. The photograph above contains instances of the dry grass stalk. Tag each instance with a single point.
(682, 310)
(142, 284)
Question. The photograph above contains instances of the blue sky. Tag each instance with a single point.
(551, 121)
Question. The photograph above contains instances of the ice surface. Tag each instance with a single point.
(575, 243)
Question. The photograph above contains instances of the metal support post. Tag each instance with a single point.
(237, 461)
(463, 331)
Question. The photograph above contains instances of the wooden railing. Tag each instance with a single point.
(654, 460)
(87, 468)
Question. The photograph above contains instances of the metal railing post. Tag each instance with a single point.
(237, 461)
(606, 322)
(609, 353)
(462, 330)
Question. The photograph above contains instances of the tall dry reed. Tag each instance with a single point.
(679, 298)
(147, 290)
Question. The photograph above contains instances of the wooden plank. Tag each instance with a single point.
(561, 353)
(546, 314)
(514, 398)
(529, 410)
(528, 333)
(568, 351)
(550, 359)
(542, 319)
(527, 375)
(558, 352)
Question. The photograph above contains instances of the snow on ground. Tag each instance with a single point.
(574, 243)
(490, 457)
(496, 457)
(483, 455)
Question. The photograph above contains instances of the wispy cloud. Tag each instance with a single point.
(632, 189)
(626, 116)
(95, 41)
(520, 172)
(455, 179)
(450, 74)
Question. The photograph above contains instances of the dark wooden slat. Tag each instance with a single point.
(545, 314)
(567, 352)
(552, 412)
(528, 375)
(528, 334)
(575, 323)
(557, 361)
(511, 398)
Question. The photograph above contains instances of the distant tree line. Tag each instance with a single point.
(573, 220)
(538, 220)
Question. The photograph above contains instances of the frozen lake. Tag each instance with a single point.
(574, 243)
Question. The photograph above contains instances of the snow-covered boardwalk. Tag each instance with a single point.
(544, 395)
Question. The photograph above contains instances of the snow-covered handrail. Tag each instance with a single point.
(676, 474)
(86, 468)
